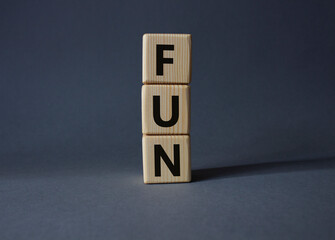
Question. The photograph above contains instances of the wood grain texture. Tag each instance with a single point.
(167, 143)
(149, 126)
(177, 73)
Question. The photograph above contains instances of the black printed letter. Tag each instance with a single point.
(157, 112)
(160, 153)
(160, 60)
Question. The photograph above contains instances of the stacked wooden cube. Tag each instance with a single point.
(166, 108)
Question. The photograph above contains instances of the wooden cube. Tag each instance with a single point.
(166, 159)
(166, 58)
(165, 109)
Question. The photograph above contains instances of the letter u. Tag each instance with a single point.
(157, 112)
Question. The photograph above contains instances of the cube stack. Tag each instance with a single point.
(166, 108)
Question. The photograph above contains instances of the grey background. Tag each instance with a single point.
(263, 121)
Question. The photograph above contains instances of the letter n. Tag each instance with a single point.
(160, 153)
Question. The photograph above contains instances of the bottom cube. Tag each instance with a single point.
(166, 159)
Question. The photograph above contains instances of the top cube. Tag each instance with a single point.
(166, 58)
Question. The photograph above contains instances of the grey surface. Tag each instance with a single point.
(263, 131)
